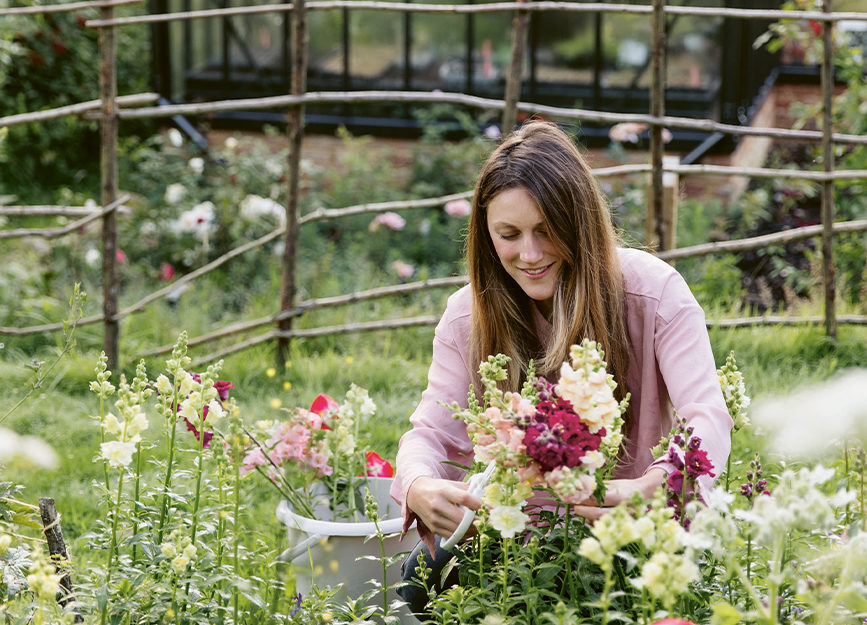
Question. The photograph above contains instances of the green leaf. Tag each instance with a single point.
(725, 613)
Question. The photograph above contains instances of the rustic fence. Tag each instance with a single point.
(111, 108)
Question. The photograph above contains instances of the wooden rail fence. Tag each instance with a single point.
(111, 108)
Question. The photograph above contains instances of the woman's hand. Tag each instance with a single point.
(438, 502)
(618, 491)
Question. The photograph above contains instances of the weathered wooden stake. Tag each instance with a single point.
(295, 135)
(670, 197)
(57, 550)
(828, 269)
(657, 109)
(516, 64)
(108, 168)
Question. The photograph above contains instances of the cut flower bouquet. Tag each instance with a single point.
(315, 456)
(560, 437)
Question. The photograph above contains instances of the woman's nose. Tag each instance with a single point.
(531, 251)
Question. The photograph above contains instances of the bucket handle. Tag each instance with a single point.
(293, 552)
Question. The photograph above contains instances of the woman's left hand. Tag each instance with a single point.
(618, 491)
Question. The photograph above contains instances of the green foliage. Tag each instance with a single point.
(848, 117)
(53, 60)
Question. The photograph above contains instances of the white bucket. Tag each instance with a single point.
(326, 553)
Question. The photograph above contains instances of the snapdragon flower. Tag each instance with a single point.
(734, 391)
(508, 520)
(117, 453)
(665, 575)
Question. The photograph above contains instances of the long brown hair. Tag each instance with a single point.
(589, 297)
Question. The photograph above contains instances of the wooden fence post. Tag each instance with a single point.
(108, 168)
(670, 197)
(57, 550)
(828, 268)
(657, 109)
(516, 64)
(295, 136)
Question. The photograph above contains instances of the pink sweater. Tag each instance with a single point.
(672, 368)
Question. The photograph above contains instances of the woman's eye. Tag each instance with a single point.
(508, 237)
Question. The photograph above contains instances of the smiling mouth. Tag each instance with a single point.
(535, 273)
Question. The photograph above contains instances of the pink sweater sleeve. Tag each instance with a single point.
(436, 437)
(686, 365)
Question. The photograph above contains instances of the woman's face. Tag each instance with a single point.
(522, 243)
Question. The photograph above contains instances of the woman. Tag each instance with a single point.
(546, 271)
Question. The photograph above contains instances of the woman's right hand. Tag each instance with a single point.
(438, 503)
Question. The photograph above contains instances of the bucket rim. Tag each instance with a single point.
(287, 516)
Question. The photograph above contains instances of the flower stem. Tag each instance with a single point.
(505, 568)
(171, 424)
(773, 579)
(605, 598)
(137, 492)
(200, 461)
(382, 560)
(102, 437)
(237, 533)
(112, 544)
(728, 469)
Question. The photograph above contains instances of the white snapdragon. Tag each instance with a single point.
(43, 580)
(112, 425)
(345, 440)
(188, 383)
(101, 386)
(665, 575)
(164, 386)
(358, 403)
(137, 425)
(508, 520)
(191, 407)
(117, 453)
(591, 549)
(179, 563)
(734, 391)
(215, 409)
(590, 389)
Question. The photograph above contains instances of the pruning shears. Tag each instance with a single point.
(476, 486)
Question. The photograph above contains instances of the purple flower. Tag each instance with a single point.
(297, 605)
(675, 481)
(697, 463)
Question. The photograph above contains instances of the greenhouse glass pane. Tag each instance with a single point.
(438, 54)
(255, 41)
(492, 51)
(565, 46)
(376, 48)
(625, 50)
(325, 43)
(693, 48)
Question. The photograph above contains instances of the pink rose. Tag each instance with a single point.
(403, 270)
(458, 208)
(389, 219)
